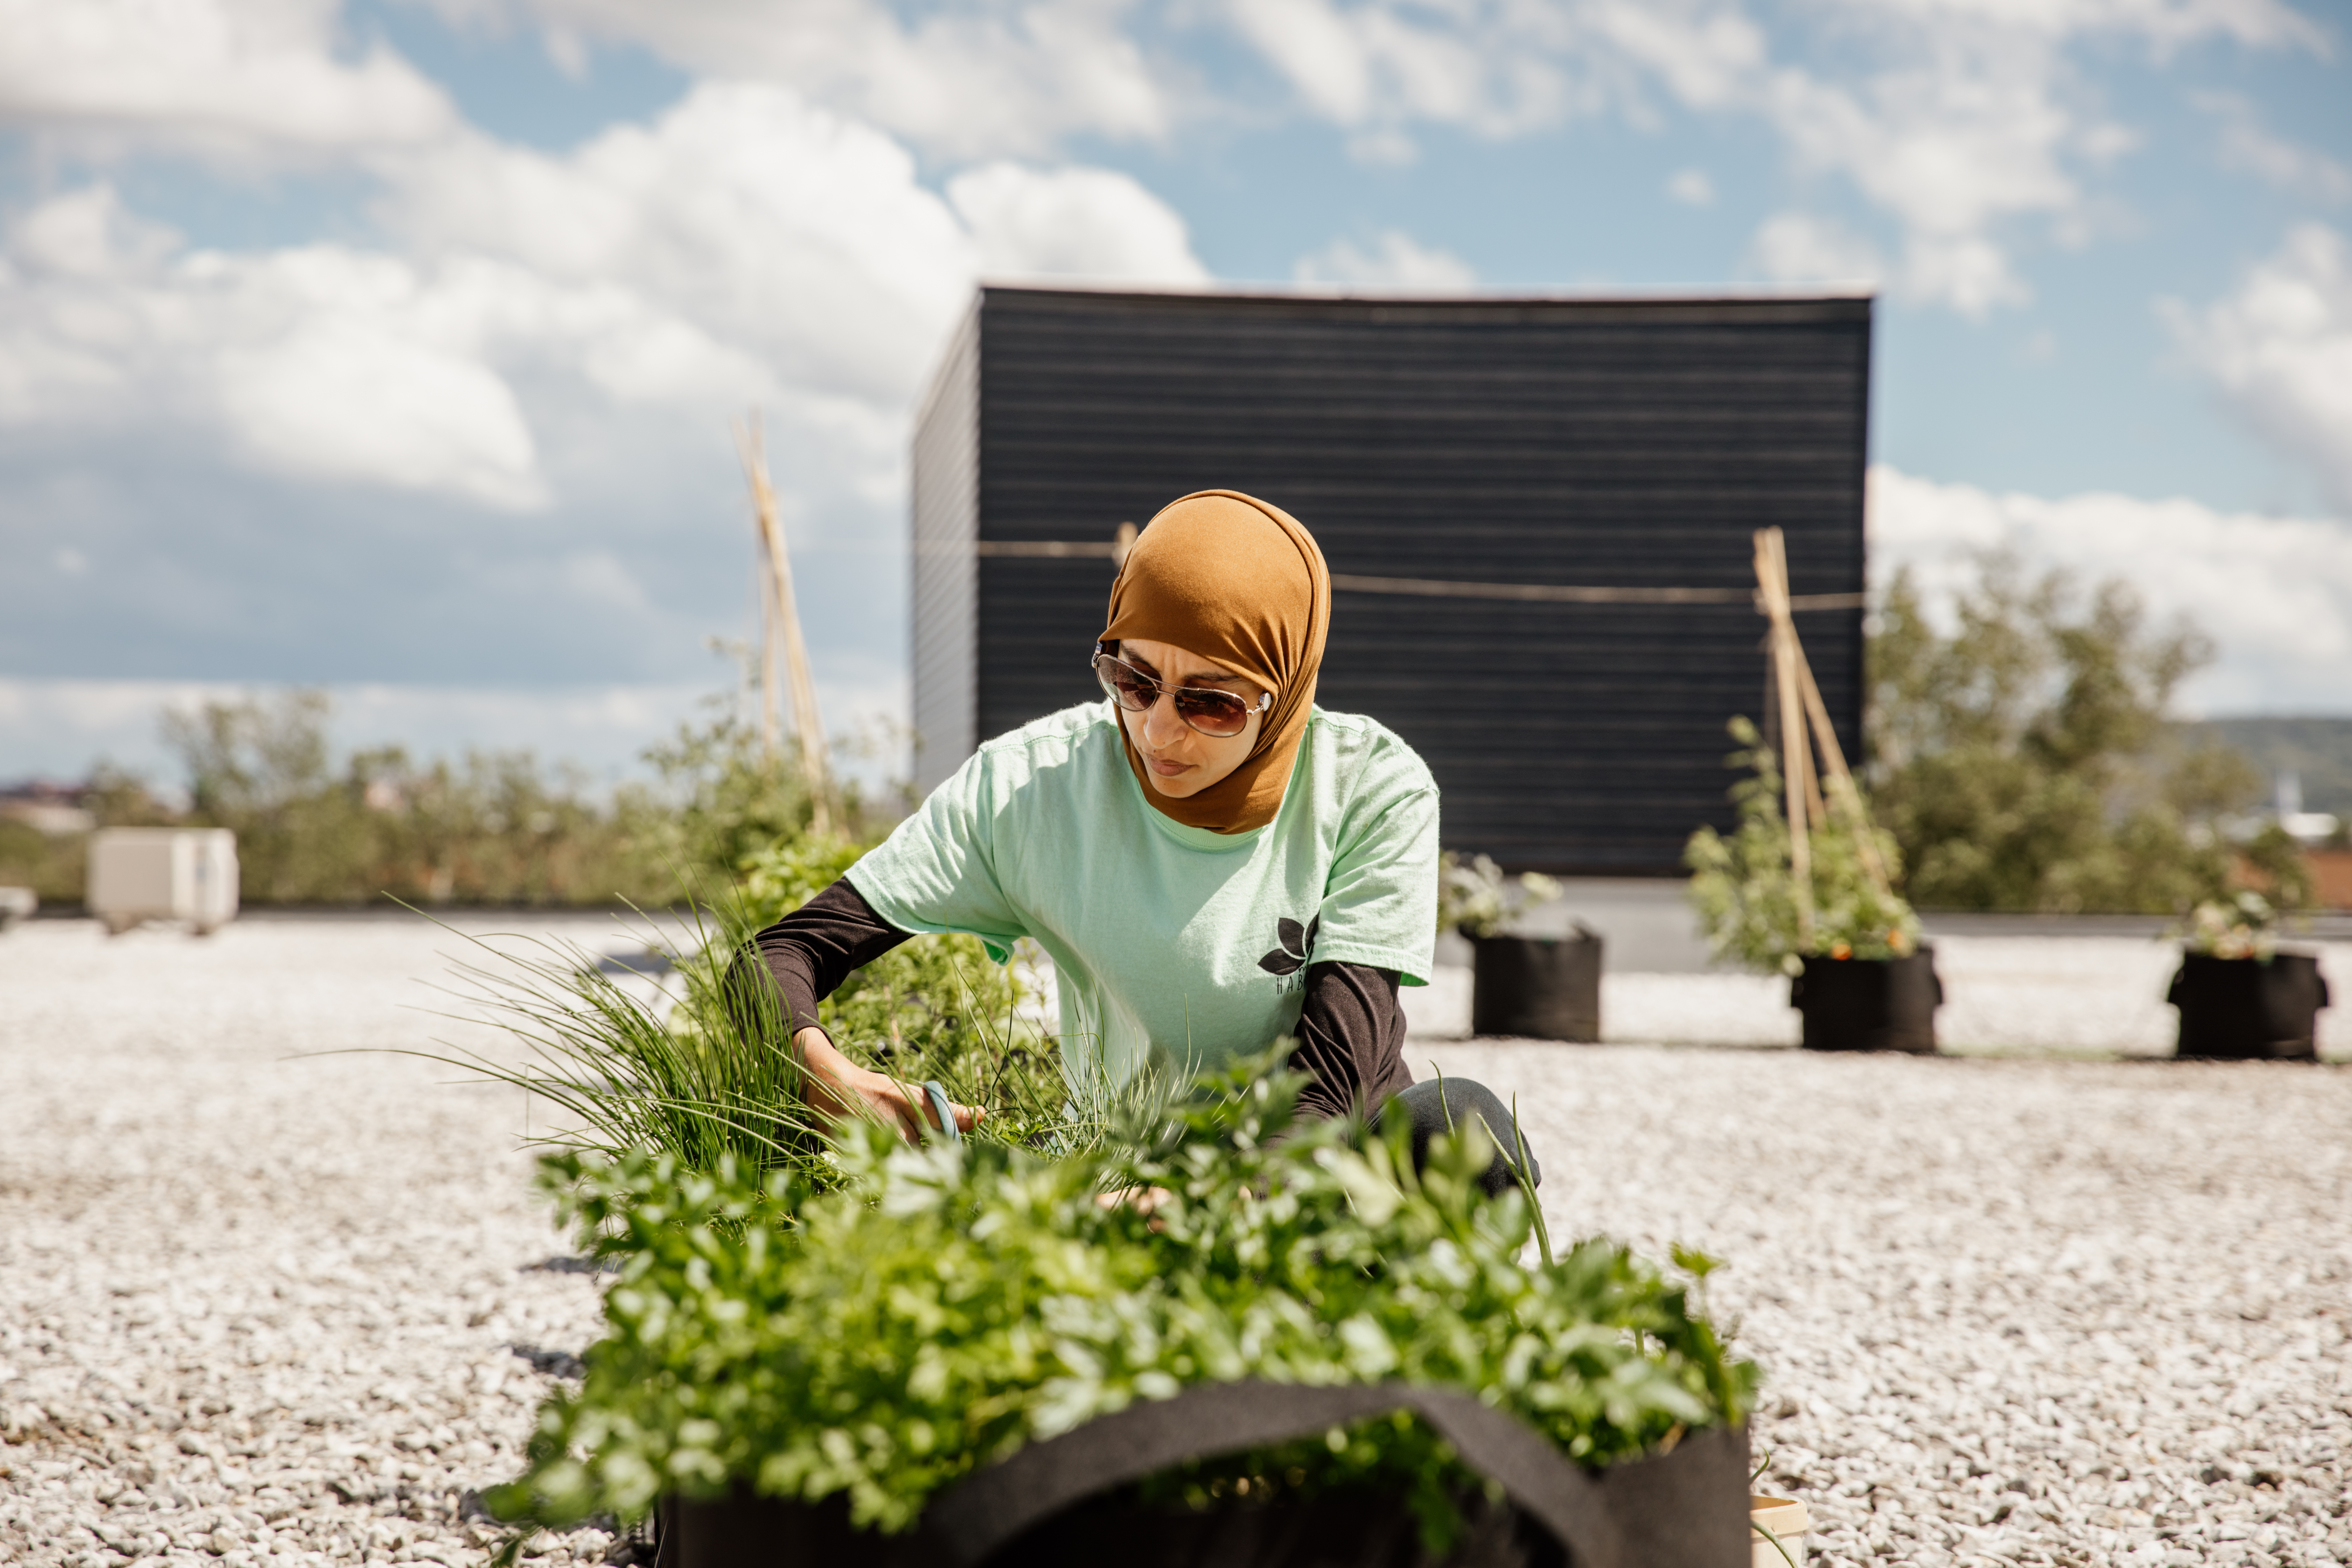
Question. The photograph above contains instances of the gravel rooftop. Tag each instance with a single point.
(261, 1306)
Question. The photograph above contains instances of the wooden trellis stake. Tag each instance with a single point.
(1802, 710)
(782, 624)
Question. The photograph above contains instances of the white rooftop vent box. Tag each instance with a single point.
(139, 874)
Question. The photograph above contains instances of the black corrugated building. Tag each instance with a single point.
(1589, 443)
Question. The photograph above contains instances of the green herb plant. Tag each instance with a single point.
(2242, 926)
(1474, 898)
(1746, 891)
(698, 1067)
(937, 1307)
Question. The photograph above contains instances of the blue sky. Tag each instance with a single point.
(391, 346)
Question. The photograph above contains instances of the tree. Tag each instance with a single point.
(261, 767)
(2029, 759)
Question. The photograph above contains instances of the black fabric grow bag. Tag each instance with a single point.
(1537, 987)
(1070, 1502)
(1869, 1004)
(2241, 1009)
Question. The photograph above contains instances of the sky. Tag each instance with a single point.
(392, 347)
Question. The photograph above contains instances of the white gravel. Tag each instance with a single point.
(254, 1308)
(260, 1309)
(2088, 995)
(2012, 1311)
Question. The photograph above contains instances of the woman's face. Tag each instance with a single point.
(1178, 759)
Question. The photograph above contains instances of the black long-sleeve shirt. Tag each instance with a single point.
(1351, 1024)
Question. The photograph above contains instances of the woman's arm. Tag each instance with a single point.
(806, 956)
(1350, 1040)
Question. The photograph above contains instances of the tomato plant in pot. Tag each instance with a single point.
(1808, 890)
(2239, 996)
(1220, 1336)
(1535, 987)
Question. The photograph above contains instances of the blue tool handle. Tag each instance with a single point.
(944, 1108)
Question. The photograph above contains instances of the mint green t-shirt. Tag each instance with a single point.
(1171, 940)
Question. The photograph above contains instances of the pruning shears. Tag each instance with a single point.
(943, 1108)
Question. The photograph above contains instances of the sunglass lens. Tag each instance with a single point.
(1213, 713)
(1125, 687)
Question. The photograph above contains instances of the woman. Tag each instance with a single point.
(1212, 861)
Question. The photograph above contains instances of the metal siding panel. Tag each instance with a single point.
(1620, 443)
(945, 521)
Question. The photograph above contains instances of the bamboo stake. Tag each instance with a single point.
(1785, 627)
(1842, 788)
(1793, 750)
(1844, 793)
(771, 722)
(807, 724)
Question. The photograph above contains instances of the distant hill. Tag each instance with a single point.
(2318, 750)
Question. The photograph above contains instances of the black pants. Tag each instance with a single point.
(1431, 1111)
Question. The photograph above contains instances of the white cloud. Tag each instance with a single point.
(1964, 123)
(2276, 594)
(1954, 139)
(1967, 272)
(2278, 351)
(778, 229)
(1376, 67)
(1076, 222)
(88, 233)
(230, 78)
(745, 247)
(350, 383)
(319, 361)
(1396, 261)
(1000, 77)
(1691, 188)
(2165, 23)
(2250, 149)
(1794, 248)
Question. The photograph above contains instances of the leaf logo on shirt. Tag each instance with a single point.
(1297, 943)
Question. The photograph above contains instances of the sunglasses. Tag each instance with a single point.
(1219, 714)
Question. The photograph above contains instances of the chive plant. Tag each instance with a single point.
(704, 1074)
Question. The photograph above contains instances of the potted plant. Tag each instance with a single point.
(1858, 972)
(1810, 892)
(1212, 1337)
(2239, 996)
(1537, 987)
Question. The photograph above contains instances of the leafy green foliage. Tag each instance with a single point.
(935, 1006)
(2244, 926)
(495, 828)
(1475, 898)
(694, 1065)
(944, 1306)
(2028, 760)
(1745, 888)
(728, 797)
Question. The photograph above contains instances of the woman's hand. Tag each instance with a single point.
(1145, 1201)
(838, 1088)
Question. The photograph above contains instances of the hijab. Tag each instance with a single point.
(1240, 582)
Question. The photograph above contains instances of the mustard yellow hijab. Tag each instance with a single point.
(1240, 582)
